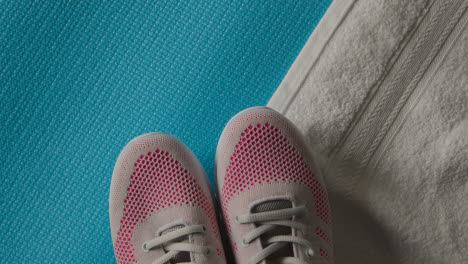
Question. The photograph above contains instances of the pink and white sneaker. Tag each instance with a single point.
(273, 198)
(160, 205)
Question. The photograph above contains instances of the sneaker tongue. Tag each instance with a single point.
(182, 256)
(271, 206)
(286, 251)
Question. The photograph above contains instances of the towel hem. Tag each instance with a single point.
(309, 55)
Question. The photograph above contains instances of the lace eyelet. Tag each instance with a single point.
(237, 220)
(310, 253)
(145, 249)
(207, 252)
(245, 244)
(204, 228)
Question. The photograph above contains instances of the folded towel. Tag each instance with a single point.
(381, 91)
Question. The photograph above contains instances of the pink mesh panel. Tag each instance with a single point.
(263, 155)
(158, 181)
(324, 255)
(319, 232)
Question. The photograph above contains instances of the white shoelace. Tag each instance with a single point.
(168, 241)
(269, 220)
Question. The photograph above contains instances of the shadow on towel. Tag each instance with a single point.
(352, 223)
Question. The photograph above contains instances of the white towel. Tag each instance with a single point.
(381, 91)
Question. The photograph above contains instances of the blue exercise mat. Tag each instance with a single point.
(79, 79)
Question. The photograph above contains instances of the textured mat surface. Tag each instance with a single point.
(79, 79)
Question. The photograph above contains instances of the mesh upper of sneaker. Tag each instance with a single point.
(158, 181)
(263, 155)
